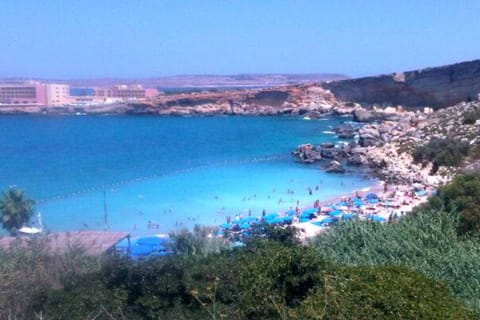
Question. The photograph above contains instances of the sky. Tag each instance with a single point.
(66, 39)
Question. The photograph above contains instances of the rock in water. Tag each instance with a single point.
(335, 167)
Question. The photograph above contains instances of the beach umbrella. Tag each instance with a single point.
(270, 216)
(357, 202)
(317, 223)
(327, 220)
(287, 219)
(372, 201)
(371, 195)
(335, 213)
(420, 193)
(347, 216)
(305, 215)
(291, 212)
(310, 211)
(246, 220)
(341, 204)
(225, 225)
(244, 226)
(377, 219)
(303, 220)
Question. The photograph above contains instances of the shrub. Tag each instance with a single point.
(462, 195)
(265, 280)
(471, 117)
(28, 272)
(428, 243)
(441, 152)
(201, 241)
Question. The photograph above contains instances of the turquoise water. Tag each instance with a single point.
(171, 171)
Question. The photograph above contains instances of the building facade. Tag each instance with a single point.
(126, 92)
(28, 93)
(57, 94)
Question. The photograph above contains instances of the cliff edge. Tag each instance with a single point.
(434, 87)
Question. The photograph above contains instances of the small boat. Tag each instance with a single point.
(307, 118)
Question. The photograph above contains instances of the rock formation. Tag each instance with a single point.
(435, 87)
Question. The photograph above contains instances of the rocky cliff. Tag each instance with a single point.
(434, 87)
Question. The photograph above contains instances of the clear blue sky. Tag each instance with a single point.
(142, 38)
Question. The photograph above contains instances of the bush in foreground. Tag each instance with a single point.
(427, 243)
(462, 195)
(267, 280)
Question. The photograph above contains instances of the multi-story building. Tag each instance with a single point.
(27, 93)
(34, 93)
(57, 94)
(126, 92)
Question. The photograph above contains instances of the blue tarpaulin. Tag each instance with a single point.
(152, 241)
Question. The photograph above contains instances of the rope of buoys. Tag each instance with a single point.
(159, 175)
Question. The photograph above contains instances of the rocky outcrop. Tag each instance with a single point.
(384, 147)
(435, 87)
(335, 167)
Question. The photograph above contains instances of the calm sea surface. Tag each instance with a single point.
(171, 171)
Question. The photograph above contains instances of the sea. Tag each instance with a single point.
(147, 175)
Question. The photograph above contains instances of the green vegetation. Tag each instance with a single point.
(427, 242)
(426, 266)
(26, 273)
(462, 195)
(198, 241)
(471, 117)
(266, 281)
(441, 152)
(15, 210)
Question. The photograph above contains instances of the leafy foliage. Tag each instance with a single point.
(200, 241)
(428, 243)
(462, 195)
(265, 280)
(15, 210)
(27, 272)
(441, 152)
